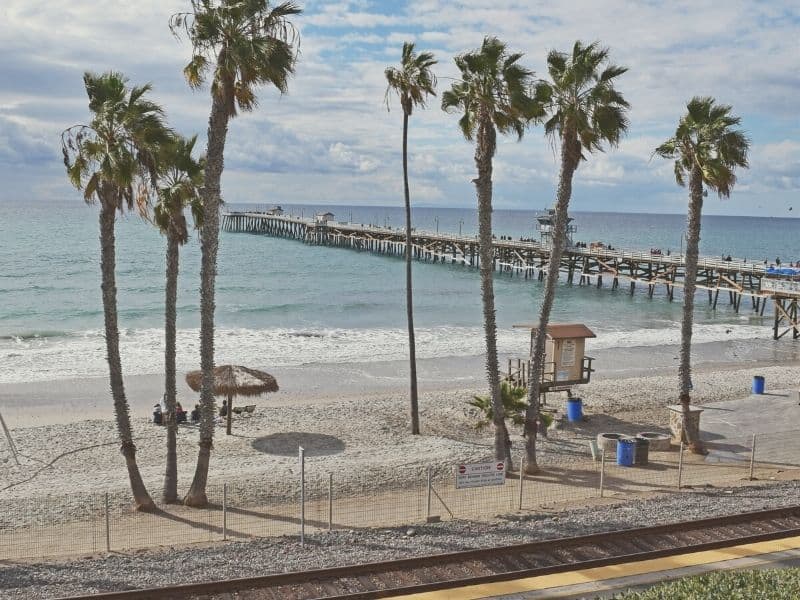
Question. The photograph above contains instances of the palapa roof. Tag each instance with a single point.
(561, 331)
(235, 380)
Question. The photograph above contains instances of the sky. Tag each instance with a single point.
(331, 139)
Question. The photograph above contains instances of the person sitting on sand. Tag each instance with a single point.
(223, 410)
(157, 415)
(195, 416)
(180, 414)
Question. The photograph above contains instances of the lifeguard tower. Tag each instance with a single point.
(565, 363)
(546, 227)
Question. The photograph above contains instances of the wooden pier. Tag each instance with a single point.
(735, 279)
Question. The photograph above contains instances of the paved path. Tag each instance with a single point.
(774, 418)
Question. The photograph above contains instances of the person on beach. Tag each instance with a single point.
(223, 410)
(158, 417)
(195, 415)
(180, 414)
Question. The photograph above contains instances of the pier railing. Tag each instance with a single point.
(735, 264)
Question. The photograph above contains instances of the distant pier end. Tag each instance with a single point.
(736, 279)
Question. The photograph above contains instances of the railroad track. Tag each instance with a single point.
(413, 575)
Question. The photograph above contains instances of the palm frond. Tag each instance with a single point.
(706, 142)
(495, 85)
(414, 81)
(243, 43)
(582, 99)
(114, 157)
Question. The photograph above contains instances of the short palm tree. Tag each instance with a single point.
(413, 82)
(493, 95)
(706, 149)
(181, 177)
(514, 405)
(113, 160)
(585, 113)
(244, 44)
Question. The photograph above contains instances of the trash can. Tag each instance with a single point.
(758, 384)
(574, 409)
(626, 452)
(642, 451)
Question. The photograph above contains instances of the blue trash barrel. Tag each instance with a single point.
(758, 384)
(626, 452)
(574, 409)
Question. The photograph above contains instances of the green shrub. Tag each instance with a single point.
(775, 584)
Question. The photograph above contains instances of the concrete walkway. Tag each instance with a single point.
(608, 588)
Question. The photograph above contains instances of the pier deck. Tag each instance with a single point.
(736, 279)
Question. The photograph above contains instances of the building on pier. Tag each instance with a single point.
(546, 227)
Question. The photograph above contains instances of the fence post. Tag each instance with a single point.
(302, 457)
(430, 487)
(602, 469)
(108, 526)
(330, 501)
(225, 511)
(752, 457)
(521, 478)
(680, 465)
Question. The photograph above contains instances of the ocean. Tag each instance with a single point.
(282, 303)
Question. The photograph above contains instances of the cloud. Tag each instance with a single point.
(331, 139)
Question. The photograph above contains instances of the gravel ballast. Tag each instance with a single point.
(269, 555)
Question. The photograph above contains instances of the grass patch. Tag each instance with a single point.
(772, 584)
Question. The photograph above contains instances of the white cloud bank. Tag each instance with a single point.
(331, 139)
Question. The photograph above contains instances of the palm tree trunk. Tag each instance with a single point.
(412, 351)
(141, 498)
(570, 154)
(689, 287)
(209, 233)
(170, 493)
(484, 153)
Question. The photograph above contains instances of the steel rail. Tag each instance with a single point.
(486, 565)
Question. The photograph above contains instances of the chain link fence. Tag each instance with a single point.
(379, 497)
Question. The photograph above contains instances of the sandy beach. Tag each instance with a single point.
(67, 439)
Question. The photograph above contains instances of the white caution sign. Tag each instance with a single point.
(480, 474)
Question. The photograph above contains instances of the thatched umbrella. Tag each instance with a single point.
(234, 380)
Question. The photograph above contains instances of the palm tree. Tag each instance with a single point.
(494, 95)
(586, 112)
(513, 408)
(412, 82)
(181, 177)
(113, 160)
(706, 149)
(244, 44)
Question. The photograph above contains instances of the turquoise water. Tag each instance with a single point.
(280, 302)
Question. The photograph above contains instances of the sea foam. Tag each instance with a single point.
(82, 354)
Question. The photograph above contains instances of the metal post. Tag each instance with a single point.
(108, 526)
(752, 457)
(602, 470)
(225, 510)
(330, 501)
(302, 457)
(430, 487)
(10, 441)
(680, 465)
(521, 478)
